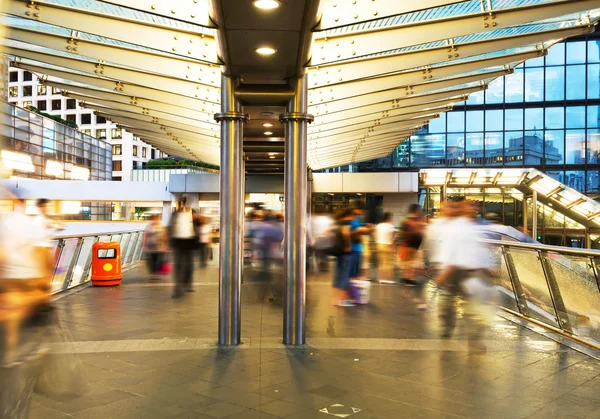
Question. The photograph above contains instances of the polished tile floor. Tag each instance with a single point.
(148, 356)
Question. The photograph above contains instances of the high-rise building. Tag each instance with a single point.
(129, 152)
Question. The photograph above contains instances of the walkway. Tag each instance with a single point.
(148, 356)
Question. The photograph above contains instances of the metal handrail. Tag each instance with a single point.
(77, 236)
(544, 247)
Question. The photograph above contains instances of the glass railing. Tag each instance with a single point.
(557, 286)
(73, 255)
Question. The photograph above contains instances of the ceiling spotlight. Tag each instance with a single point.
(271, 154)
(266, 51)
(268, 133)
(267, 125)
(271, 157)
(266, 4)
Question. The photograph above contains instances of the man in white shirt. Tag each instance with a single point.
(460, 260)
(321, 226)
(384, 239)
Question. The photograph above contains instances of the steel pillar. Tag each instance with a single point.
(232, 214)
(294, 258)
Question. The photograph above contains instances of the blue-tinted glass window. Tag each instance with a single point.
(593, 181)
(534, 85)
(474, 149)
(554, 146)
(575, 117)
(428, 150)
(575, 82)
(494, 120)
(555, 83)
(575, 179)
(535, 62)
(593, 85)
(555, 118)
(474, 121)
(494, 147)
(576, 52)
(534, 148)
(513, 119)
(456, 121)
(438, 124)
(455, 150)
(593, 51)
(476, 98)
(556, 55)
(534, 118)
(513, 148)
(575, 146)
(593, 146)
(513, 86)
(495, 91)
(593, 116)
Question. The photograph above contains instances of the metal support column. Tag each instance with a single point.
(534, 216)
(294, 258)
(232, 214)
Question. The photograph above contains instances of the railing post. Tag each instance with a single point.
(60, 246)
(69, 275)
(595, 262)
(557, 301)
(516, 283)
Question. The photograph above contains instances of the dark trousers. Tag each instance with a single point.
(154, 262)
(203, 250)
(183, 269)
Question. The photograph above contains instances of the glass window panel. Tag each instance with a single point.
(534, 148)
(593, 146)
(513, 119)
(555, 118)
(593, 181)
(556, 55)
(575, 117)
(474, 149)
(576, 52)
(474, 121)
(575, 147)
(455, 150)
(476, 98)
(438, 124)
(428, 150)
(534, 85)
(513, 148)
(593, 116)
(514, 86)
(495, 91)
(494, 147)
(456, 121)
(554, 147)
(535, 62)
(494, 120)
(534, 118)
(593, 51)
(575, 82)
(593, 86)
(555, 83)
(575, 179)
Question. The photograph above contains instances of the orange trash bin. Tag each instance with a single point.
(106, 264)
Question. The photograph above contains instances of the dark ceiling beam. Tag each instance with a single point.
(215, 11)
(310, 21)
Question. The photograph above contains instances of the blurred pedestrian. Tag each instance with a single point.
(183, 233)
(358, 229)
(155, 246)
(204, 241)
(412, 230)
(341, 248)
(321, 231)
(384, 239)
(460, 262)
(44, 217)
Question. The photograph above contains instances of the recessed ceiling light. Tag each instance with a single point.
(267, 113)
(271, 157)
(268, 133)
(267, 125)
(266, 51)
(271, 154)
(266, 4)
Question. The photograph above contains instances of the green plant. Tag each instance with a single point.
(54, 117)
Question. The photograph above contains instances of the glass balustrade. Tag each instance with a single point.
(73, 256)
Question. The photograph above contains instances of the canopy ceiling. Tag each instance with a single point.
(377, 70)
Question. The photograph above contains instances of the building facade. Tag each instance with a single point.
(546, 115)
(129, 152)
